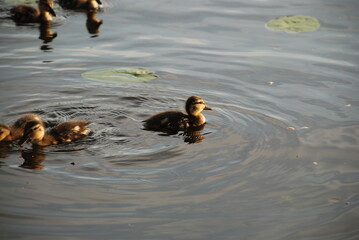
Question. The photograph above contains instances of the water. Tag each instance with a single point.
(278, 158)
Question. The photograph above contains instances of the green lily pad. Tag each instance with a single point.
(294, 24)
(130, 75)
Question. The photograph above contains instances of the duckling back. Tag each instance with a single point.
(24, 14)
(167, 121)
(29, 14)
(70, 131)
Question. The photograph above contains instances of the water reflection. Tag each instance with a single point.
(46, 33)
(46, 48)
(193, 135)
(190, 135)
(93, 24)
(5, 148)
(33, 158)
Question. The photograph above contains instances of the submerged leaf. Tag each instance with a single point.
(131, 75)
(294, 24)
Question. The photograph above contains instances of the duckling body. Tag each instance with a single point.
(16, 131)
(29, 14)
(179, 121)
(61, 133)
(169, 120)
(80, 4)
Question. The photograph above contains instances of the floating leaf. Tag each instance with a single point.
(131, 75)
(294, 24)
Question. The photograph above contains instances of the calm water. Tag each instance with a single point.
(278, 159)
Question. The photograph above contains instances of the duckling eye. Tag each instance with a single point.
(35, 128)
(199, 103)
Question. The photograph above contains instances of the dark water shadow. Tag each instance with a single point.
(5, 149)
(33, 158)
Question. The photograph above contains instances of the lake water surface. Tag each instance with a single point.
(278, 158)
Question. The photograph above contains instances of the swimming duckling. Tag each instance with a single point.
(16, 131)
(29, 14)
(61, 133)
(80, 4)
(178, 121)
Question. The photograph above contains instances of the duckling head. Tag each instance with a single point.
(46, 8)
(195, 105)
(4, 132)
(34, 131)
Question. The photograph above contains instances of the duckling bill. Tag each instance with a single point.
(178, 121)
(29, 14)
(62, 133)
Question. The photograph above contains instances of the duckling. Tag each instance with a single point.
(61, 133)
(80, 4)
(16, 131)
(29, 14)
(177, 121)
